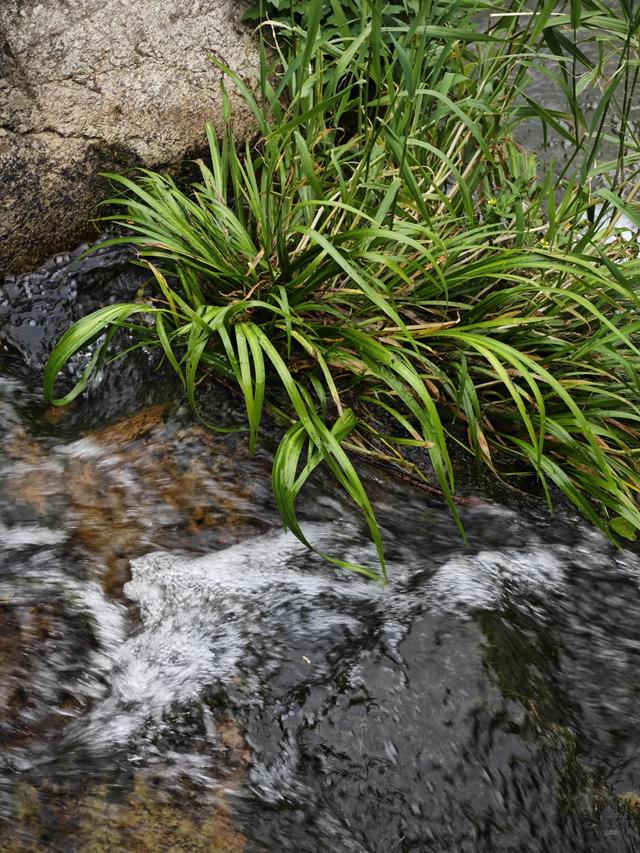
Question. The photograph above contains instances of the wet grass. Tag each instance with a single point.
(384, 251)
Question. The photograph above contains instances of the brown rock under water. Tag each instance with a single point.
(147, 818)
(137, 485)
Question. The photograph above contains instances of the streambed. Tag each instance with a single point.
(176, 673)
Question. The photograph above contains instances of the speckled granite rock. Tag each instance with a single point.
(92, 84)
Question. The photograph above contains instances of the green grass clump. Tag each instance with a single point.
(383, 251)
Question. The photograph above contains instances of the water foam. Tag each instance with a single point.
(202, 616)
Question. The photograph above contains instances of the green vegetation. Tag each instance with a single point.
(384, 252)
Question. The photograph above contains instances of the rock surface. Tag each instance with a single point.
(89, 85)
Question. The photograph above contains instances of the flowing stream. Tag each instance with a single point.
(177, 673)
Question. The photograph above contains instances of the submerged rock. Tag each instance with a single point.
(150, 481)
(37, 308)
(143, 817)
(89, 85)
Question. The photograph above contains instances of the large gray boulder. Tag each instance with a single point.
(89, 85)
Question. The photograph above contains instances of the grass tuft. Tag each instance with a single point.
(385, 252)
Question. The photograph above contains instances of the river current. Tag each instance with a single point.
(177, 673)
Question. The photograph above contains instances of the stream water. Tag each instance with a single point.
(176, 673)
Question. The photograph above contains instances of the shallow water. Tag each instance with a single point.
(176, 673)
